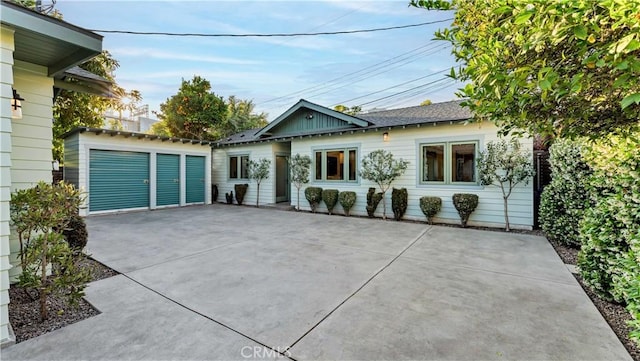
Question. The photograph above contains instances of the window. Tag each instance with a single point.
(238, 167)
(336, 165)
(448, 163)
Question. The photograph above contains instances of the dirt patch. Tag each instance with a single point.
(24, 308)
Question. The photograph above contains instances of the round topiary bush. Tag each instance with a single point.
(314, 196)
(330, 198)
(430, 206)
(347, 199)
(465, 204)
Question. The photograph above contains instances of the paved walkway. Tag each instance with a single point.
(229, 282)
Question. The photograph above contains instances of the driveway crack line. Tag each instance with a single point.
(405, 249)
(283, 353)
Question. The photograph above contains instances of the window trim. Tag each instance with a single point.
(448, 144)
(337, 148)
(238, 165)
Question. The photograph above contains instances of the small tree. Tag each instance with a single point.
(380, 167)
(505, 165)
(259, 171)
(299, 165)
(39, 215)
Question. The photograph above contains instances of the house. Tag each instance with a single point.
(439, 141)
(37, 56)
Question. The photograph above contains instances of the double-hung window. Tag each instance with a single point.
(448, 162)
(336, 164)
(239, 167)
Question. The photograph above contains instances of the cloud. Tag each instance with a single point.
(167, 55)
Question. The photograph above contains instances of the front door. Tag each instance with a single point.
(282, 178)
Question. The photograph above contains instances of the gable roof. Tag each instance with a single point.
(445, 112)
(304, 104)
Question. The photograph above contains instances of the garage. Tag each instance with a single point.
(122, 171)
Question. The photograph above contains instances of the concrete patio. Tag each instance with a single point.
(229, 282)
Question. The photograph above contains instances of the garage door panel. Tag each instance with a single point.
(168, 179)
(118, 180)
(195, 178)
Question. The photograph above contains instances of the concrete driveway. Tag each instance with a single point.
(229, 282)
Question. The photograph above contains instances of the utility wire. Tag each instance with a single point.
(418, 94)
(404, 91)
(357, 73)
(392, 87)
(259, 35)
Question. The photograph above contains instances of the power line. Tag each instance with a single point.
(392, 87)
(404, 91)
(258, 35)
(419, 94)
(358, 73)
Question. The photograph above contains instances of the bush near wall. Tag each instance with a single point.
(610, 231)
(565, 199)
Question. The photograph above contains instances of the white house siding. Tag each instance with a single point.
(78, 146)
(404, 143)
(31, 136)
(6, 82)
(220, 170)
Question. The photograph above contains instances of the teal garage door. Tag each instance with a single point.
(167, 179)
(195, 179)
(118, 180)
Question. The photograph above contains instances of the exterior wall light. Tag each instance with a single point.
(16, 105)
(385, 136)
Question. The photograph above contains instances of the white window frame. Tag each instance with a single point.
(239, 156)
(447, 160)
(345, 169)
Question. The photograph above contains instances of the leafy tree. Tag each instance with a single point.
(194, 112)
(40, 215)
(354, 110)
(259, 171)
(241, 116)
(563, 68)
(299, 165)
(73, 109)
(380, 167)
(505, 165)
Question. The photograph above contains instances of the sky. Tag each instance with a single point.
(375, 70)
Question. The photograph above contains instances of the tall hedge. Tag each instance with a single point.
(564, 200)
(610, 234)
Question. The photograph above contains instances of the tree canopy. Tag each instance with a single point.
(354, 110)
(195, 111)
(563, 68)
(241, 116)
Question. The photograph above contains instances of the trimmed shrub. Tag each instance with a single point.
(399, 201)
(609, 258)
(229, 197)
(564, 200)
(373, 199)
(465, 204)
(241, 190)
(347, 199)
(75, 233)
(330, 198)
(430, 206)
(314, 196)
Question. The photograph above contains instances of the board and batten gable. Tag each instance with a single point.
(78, 147)
(255, 151)
(405, 143)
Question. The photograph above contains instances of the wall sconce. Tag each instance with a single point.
(309, 116)
(385, 136)
(16, 105)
